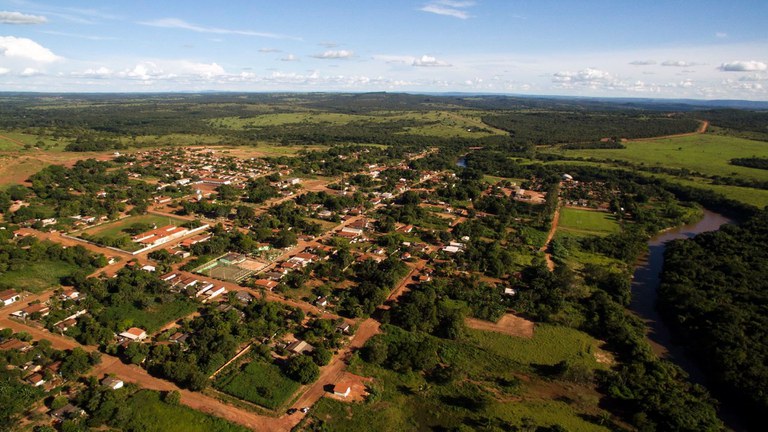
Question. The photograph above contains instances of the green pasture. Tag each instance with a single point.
(705, 153)
(258, 382)
(489, 385)
(115, 229)
(38, 276)
(153, 317)
(146, 412)
(587, 221)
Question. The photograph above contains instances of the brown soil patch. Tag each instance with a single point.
(356, 384)
(508, 324)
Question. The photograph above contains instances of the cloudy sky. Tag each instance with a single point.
(704, 49)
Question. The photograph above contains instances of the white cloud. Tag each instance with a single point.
(100, 73)
(27, 49)
(335, 54)
(269, 50)
(175, 23)
(452, 8)
(30, 72)
(643, 62)
(204, 70)
(289, 58)
(721, 35)
(7, 17)
(678, 63)
(4, 71)
(744, 66)
(79, 36)
(429, 61)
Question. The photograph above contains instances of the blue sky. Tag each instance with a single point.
(665, 49)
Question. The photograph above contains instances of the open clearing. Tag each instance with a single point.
(435, 123)
(708, 154)
(115, 229)
(258, 382)
(587, 221)
(37, 277)
(508, 324)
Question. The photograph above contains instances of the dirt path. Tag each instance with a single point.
(550, 236)
(508, 324)
(15, 141)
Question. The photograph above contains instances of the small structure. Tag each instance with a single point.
(66, 412)
(266, 283)
(342, 389)
(9, 297)
(244, 297)
(36, 379)
(112, 382)
(135, 334)
(300, 347)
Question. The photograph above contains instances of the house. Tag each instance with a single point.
(54, 368)
(69, 294)
(36, 308)
(266, 283)
(510, 291)
(299, 347)
(321, 301)
(244, 296)
(213, 293)
(405, 229)
(9, 297)
(134, 334)
(149, 268)
(66, 412)
(203, 289)
(112, 382)
(15, 344)
(343, 327)
(342, 389)
(179, 337)
(35, 379)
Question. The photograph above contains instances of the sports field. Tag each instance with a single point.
(587, 221)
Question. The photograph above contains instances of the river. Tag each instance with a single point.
(645, 285)
(646, 281)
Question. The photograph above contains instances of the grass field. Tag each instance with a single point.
(150, 414)
(708, 154)
(436, 123)
(114, 230)
(549, 345)
(37, 277)
(489, 387)
(152, 318)
(587, 221)
(258, 382)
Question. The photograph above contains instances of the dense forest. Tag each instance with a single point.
(715, 293)
(562, 127)
(103, 122)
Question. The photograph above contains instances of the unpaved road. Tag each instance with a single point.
(550, 236)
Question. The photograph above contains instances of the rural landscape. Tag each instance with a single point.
(411, 215)
(377, 262)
